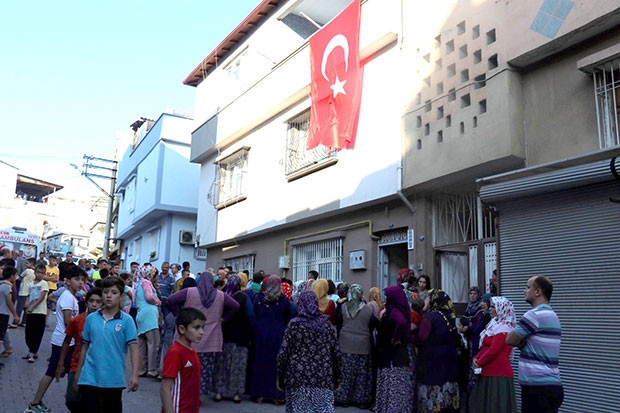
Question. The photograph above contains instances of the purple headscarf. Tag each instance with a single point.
(397, 309)
(272, 288)
(308, 314)
(233, 284)
(206, 289)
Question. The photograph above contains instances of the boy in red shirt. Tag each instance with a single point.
(180, 386)
(94, 301)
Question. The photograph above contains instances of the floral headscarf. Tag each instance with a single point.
(233, 284)
(271, 288)
(342, 290)
(320, 288)
(141, 274)
(397, 309)
(441, 303)
(505, 321)
(308, 313)
(354, 301)
(287, 290)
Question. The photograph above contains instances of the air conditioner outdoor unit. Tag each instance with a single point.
(187, 237)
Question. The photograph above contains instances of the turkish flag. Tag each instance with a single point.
(336, 86)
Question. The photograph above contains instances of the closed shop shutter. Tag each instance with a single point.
(573, 236)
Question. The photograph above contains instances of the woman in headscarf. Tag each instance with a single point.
(298, 288)
(375, 301)
(231, 363)
(394, 391)
(355, 325)
(287, 288)
(269, 316)
(309, 360)
(437, 378)
(217, 307)
(147, 320)
(469, 326)
(494, 391)
(326, 306)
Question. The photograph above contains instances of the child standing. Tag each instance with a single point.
(94, 300)
(6, 301)
(66, 308)
(107, 335)
(37, 312)
(180, 386)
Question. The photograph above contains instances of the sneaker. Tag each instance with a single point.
(31, 360)
(37, 408)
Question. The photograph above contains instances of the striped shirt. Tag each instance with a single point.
(540, 356)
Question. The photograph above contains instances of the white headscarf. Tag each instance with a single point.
(504, 322)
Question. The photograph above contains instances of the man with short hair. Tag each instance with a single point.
(102, 263)
(64, 267)
(88, 268)
(133, 266)
(313, 275)
(539, 335)
(166, 285)
(42, 260)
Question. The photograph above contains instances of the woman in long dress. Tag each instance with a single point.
(147, 320)
(309, 360)
(326, 306)
(355, 325)
(269, 317)
(494, 392)
(437, 362)
(217, 307)
(394, 391)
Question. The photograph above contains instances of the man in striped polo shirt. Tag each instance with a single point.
(538, 335)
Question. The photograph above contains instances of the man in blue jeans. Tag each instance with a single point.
(539, 335)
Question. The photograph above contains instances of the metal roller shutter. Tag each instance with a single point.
(572, 236)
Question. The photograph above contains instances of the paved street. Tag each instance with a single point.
(24, 378)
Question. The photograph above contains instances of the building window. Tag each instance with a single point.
(201, 253)
(234, 69)
(299, 161)
(229, 185)
(324, 256)
(461, 218)
(154, 244)
(607, 89)
(242, 263)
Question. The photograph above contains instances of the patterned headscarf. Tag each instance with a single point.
(298, 288)
(441, 303)
(354, 301)
(206, 290)
(320, 288)
(504, 322)
(473, 308)
(397, 309)
(374, 295)
(308, 313)
(233, 284)
(343, 290)
(287, 290)
(141, 274)
(271, 288)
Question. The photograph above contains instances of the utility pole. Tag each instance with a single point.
(105, 169)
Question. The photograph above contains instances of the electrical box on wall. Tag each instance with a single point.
(357, 260)
(284, 262)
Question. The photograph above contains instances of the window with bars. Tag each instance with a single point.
(298, 159)
(242, 263)
(324, 256)
(229, 185)
(607, 93)
(461, 218)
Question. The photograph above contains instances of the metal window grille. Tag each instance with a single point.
(245, 262)
(322, 256)
(297, 157)
(201, 253)
(607, 96)
(230, 181)
(461, 218)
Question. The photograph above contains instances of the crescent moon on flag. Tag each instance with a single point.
(338, 40)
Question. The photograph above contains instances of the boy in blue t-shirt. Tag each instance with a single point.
(101, 369)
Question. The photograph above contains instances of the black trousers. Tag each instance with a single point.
(541, 399)
(34, 332)
(101, 400)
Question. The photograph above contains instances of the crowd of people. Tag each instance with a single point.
(310, 346)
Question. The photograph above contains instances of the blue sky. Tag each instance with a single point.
(75, 73)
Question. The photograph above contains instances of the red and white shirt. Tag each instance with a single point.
(182, 365)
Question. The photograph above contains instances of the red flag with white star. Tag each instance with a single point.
(336, 86)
